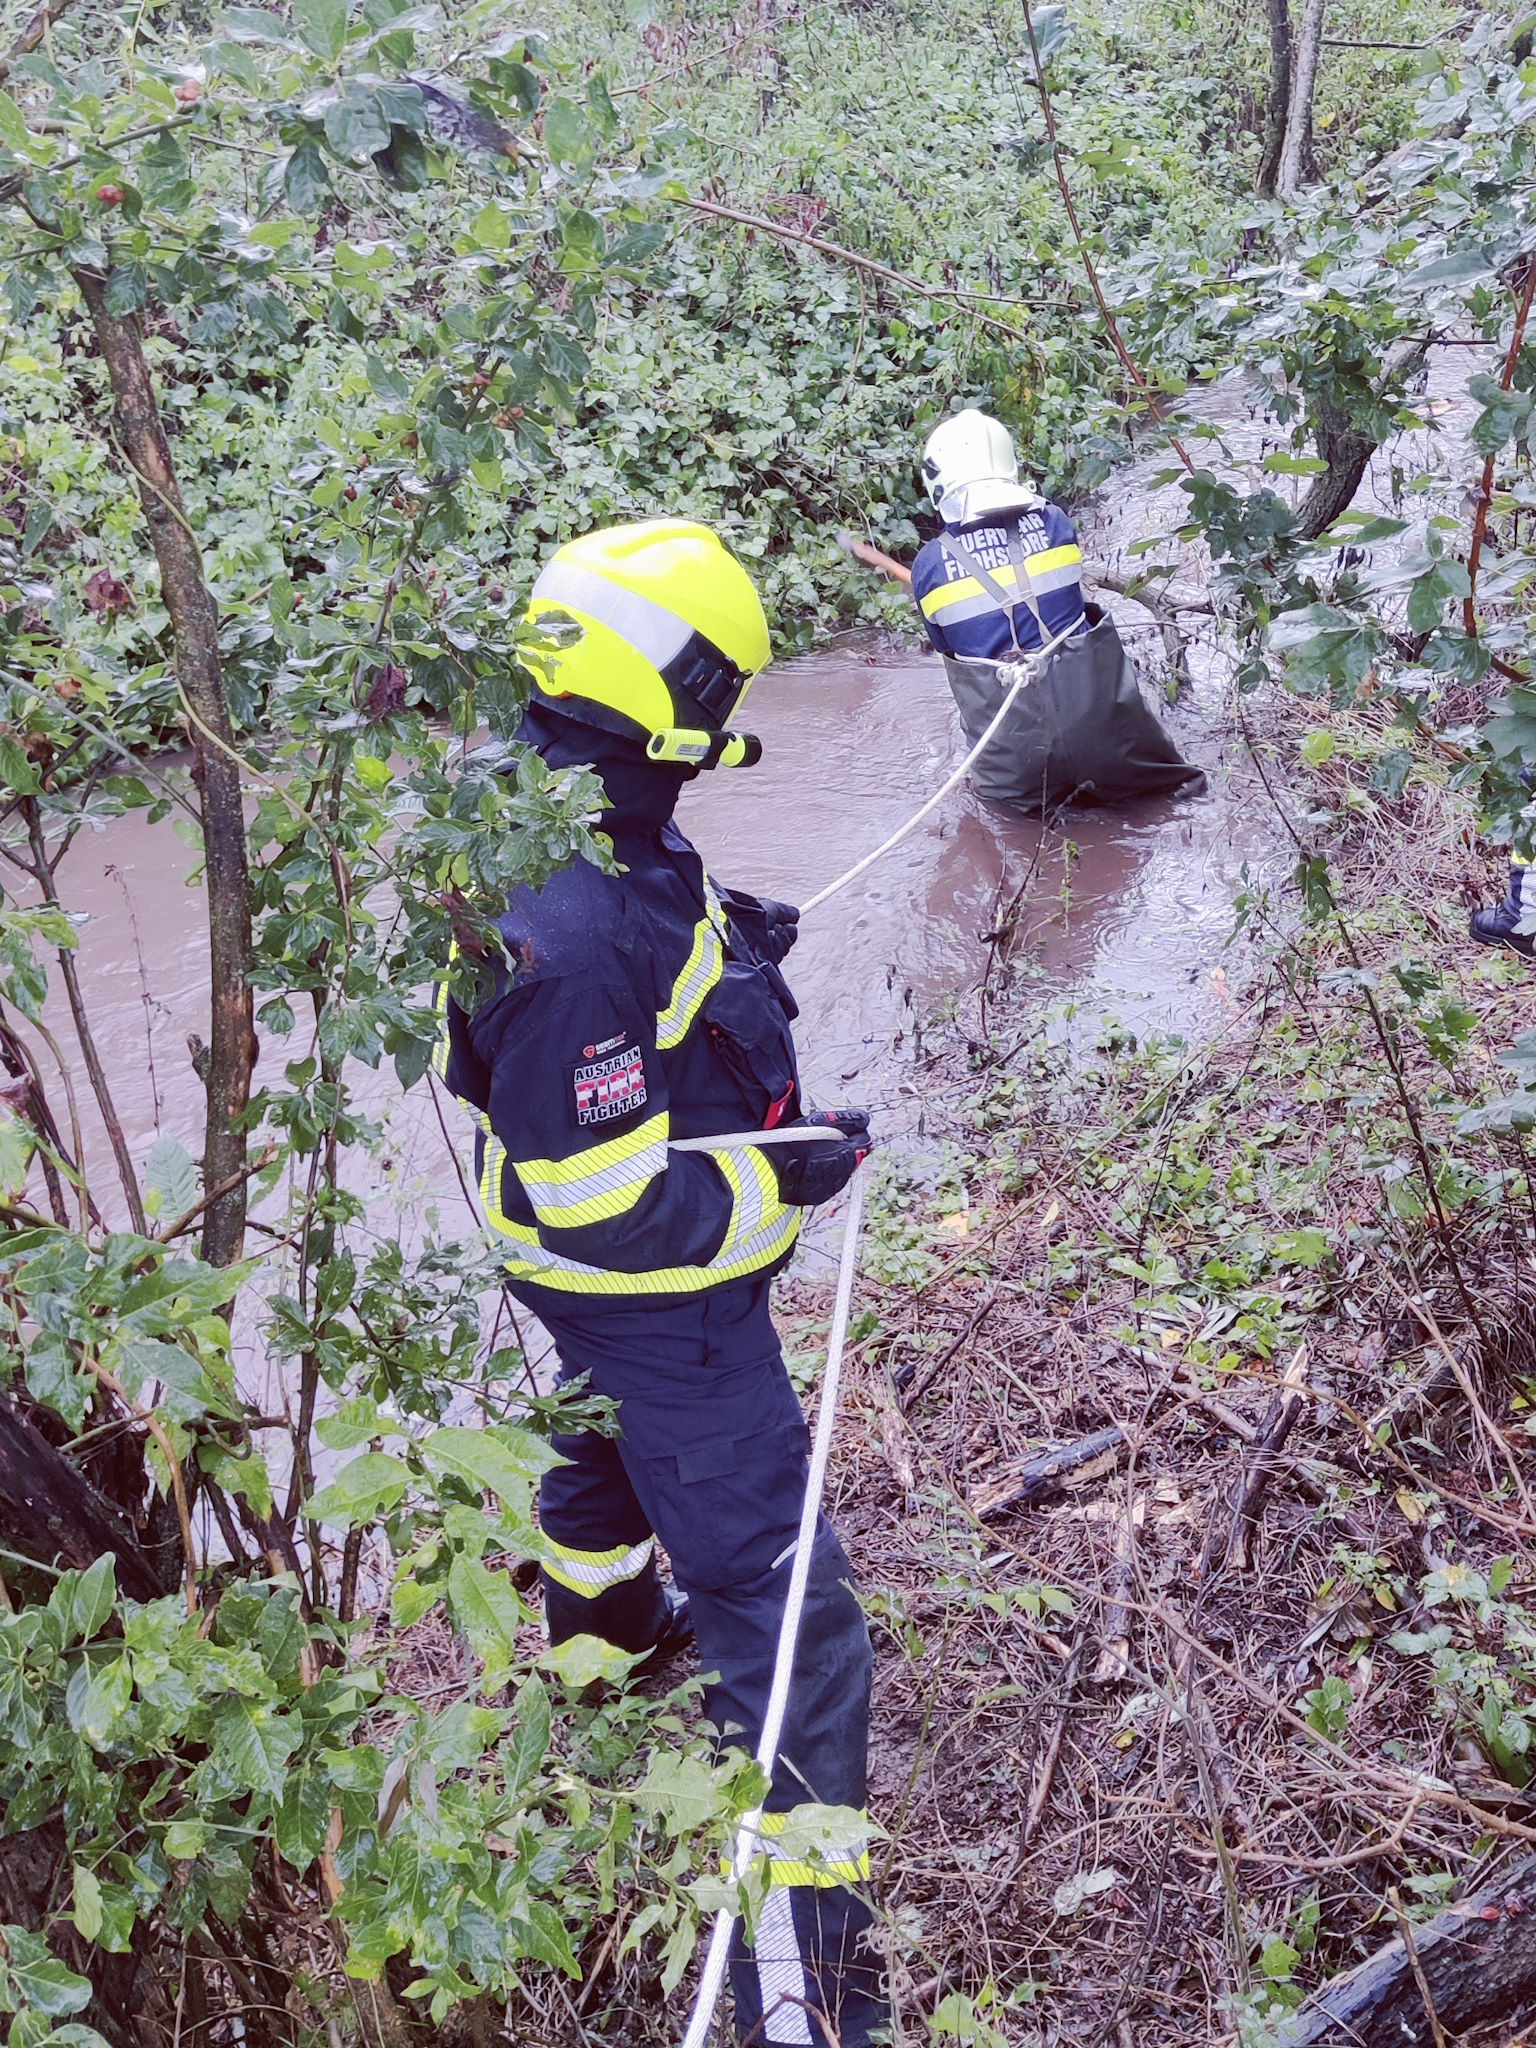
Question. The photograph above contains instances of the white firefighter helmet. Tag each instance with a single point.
(970, 469)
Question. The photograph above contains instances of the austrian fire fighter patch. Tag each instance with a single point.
(611, 1084)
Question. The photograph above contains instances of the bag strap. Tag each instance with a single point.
(972, 565)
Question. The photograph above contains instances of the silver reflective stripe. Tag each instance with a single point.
(590, 1572)
(649, 628)
(781, 1972)
(552, 1198)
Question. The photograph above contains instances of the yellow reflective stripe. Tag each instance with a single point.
(947, 595)
(823, 1876)
(844, 1864)
(701, 970)
(761, 1231)
(591, 1572)
(603, 1181)
(440, 1043)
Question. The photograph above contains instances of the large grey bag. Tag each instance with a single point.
(1080, 731)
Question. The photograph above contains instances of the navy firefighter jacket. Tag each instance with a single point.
(644, 1007)
(964, 618)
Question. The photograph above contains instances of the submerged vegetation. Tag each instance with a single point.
(321, 323)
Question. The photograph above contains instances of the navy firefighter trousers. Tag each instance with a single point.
(712, 1460)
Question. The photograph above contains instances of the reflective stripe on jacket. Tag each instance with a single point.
(964, 618)
(642, 1008)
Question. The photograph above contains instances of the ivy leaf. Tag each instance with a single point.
(47, 1985)
(543, 1936)
(1301, 1247)
(88, 1915)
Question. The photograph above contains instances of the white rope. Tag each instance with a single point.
(1025, 669)
(747, 1838)
(789, 1134)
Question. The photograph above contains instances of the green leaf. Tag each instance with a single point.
(254, 1743)
(127, 288)
(323, 25)
(83, 1600)
(306, 180)
(1281, 462)
(486, 1607)
(170, 1175)
(87, 1908)
(1505, 414)
(303, 1820)
(581, 1661)
(355, 126)
(542, 1935)
(354, 1422)
(1278, 1960)
(255, 25)
(13, 126)
(528, 1745)
(100, 1701)
(370, 1485)
(565, 131)
(506, 1461)
(1301, 1247)
(1317, 748)
(18, 1142)
(47, 1985)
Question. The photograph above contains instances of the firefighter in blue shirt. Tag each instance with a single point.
(1007, 563)
(643, 1007)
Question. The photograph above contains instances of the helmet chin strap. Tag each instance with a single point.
(687, 747)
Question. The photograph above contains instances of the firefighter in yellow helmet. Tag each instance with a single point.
(648, 1006)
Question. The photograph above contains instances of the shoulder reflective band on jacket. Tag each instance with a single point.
(649, 628)
(600, 1182)
(591, 1572)
(701, 970)
(1052, 569)
(761, 1231)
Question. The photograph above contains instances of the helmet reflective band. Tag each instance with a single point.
(672, 631)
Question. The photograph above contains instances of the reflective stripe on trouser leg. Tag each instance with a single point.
(813, 1953)
(599, 1567)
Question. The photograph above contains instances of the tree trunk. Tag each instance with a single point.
(1478, 1961)
(1298, 120)
(49, 1512)
(1347, 450)
(194, 618)
(1277, 106)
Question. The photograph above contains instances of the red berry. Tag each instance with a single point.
(350, 492)
(110, 195)
(188, 91)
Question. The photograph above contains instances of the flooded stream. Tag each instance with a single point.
(1127, 914)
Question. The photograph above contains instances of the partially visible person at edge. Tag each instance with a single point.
(1512, 920)
(645, 1006)
(997, 530)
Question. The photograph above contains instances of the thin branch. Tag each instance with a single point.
(1485, 492)
(896, 277)
(1111, 325)
(34, 32)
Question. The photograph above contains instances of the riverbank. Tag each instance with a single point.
(1152, 1748)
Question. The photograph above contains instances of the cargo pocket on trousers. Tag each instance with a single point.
(738, 1505)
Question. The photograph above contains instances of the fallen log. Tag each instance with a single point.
(1059, 1468)
(51, 1513)
(1476, 1961)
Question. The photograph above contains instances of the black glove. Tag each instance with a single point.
(821, 1167)
(781, 928)
(772, 928)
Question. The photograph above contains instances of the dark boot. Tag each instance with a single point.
(1501, 925)
(677, 1630)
